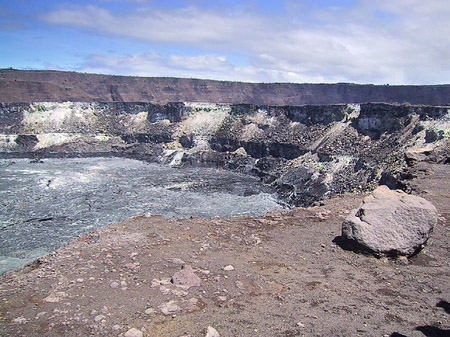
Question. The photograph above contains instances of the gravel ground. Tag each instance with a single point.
(275, 275)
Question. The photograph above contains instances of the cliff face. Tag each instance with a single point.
(56, 86)
(306, 152)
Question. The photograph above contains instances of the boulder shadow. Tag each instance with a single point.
(431, 330)
(445, 305)
(351, 245)
(434, 331)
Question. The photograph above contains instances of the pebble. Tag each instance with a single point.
(130, 266)
(115, 327)
(300, 325)
(212, 332)
(39, 315)
(169, 308)
(20, 320)
(402, 260)
(149, 311)
(133, 332)
(98, 318)
(222, 298)
(114, 284)
(177, 261)
(228, 268)
(54, 298)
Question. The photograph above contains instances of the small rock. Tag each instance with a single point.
(39, 315)
(211, 332)
(228, 268)
(177, 261)
(254, 240)
(114, 284)
(98, 318)
(222, 298)
(402, 260)
(133, 332)
(54, 298)
(20, 320)
(300, 325)
(130, 266)
(186, 277)
(115, 327)
(169, 308)
(190, 305)
(123, 283)
(149, 311)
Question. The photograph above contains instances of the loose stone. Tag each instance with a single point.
(133, 332)
(98, 318)
(114, 284)
(186, 277)
(212, 332)
(149, 311)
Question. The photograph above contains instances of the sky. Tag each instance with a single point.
(300, 41)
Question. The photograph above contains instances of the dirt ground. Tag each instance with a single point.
(276, 275)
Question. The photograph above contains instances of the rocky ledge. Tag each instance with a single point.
(307, 153)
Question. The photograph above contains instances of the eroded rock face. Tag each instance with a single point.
(390, 222)
(61, 86)
(306, 152)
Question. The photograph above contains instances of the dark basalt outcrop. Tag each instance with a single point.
(305, 152)
(60, 86)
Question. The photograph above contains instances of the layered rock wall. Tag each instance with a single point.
(59, 86)
(306, 152)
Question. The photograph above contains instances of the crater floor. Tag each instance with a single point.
(287, 278)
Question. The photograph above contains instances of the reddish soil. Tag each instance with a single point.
(289, 278)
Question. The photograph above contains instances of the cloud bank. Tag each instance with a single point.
(397, 42)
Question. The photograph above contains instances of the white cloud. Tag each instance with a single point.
(200, 66)
(402, 41)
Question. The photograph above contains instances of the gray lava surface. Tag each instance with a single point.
(46, 204)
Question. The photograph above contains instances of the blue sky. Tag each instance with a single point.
(359, 41)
